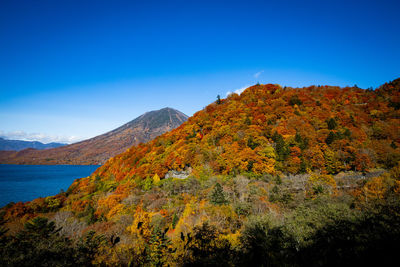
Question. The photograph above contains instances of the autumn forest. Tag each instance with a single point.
(275, 176)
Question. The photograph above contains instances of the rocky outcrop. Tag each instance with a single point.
(178, 174)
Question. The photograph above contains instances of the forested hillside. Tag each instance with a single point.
(276, 176)
(274, 130)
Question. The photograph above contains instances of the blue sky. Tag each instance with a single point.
(71, 70)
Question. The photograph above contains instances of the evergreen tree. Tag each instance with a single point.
(298, 138)
(347, 133)
(331, 137)
(218, 99)
(393, 145)
(303, 166)
(281, 147)
(175, 220)
(217, 196)
(294, 100)
(332, 124)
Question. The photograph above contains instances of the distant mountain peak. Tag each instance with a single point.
(18, 145)
(98, 149)
(155, 119)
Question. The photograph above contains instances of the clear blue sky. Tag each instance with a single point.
(81, 68)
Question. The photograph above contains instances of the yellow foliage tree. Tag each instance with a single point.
(142, 232)
(141, 224)
(156, 179)
(373, 190)
(322, 183)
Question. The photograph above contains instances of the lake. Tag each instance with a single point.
(27, 182)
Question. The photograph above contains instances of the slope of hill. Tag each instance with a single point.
(100, 148)
(275, 176)
(17, 145)
(270, 129)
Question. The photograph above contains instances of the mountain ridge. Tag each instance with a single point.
(18, 145)
(98, 149)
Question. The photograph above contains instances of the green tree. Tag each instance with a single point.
(294, 100)
(217, 196)
(263, 244)
(393, 145)
(87, 248)
(281, 148)
(218, 99)
(332, 124)
(298, 138)
(148, 184)
(40, 244)
(331, 137)
(205, 249)
(175, 220)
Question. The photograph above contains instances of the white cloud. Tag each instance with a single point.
(238, 91)
(41, 137)
(256, 75)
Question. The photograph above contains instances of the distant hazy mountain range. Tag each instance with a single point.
(18, 145)
(100, 148)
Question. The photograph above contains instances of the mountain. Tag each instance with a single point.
(273, 129)
(100, 148)
(17, 145)
(275, 176)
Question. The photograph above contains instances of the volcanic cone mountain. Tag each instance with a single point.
(100, 148)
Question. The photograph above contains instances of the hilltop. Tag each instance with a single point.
(270, 129)
(100, 148)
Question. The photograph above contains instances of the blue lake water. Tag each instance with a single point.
(27, 182)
